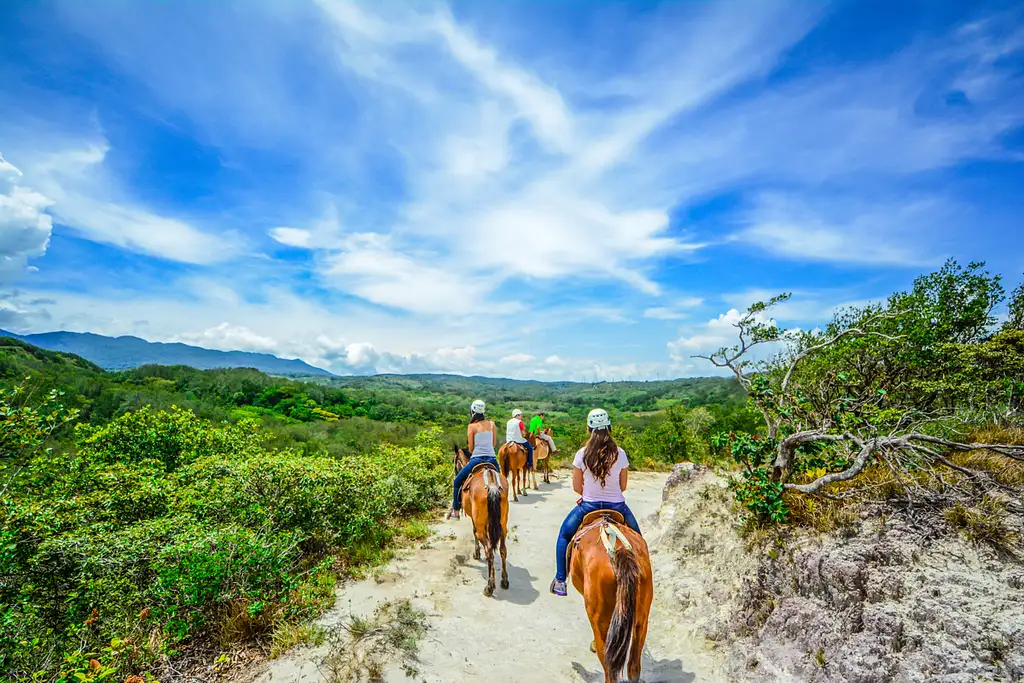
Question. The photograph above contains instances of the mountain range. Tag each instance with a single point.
(119, 353)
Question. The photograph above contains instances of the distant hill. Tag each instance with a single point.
(120, 353)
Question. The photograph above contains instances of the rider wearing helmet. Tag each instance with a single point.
(515, 432)
(482, 437)
(600, 474)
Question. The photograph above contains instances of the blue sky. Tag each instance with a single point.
(571, 190)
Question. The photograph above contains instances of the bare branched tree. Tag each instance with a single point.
(852, 410)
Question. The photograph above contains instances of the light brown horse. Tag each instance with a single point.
(485, 501)
(611, 568)
(541, 458)
(512, 458)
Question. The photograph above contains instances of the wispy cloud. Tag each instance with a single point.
(85, 197)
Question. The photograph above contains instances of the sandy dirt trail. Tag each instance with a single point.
(523, 634)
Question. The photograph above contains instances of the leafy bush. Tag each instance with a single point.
(161, 526)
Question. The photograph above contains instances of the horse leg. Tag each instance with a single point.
(489, 590)
(476, 541)
(504, 566)
(523, 484)
(636, 652)
(597, 645)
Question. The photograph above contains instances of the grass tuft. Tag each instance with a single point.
(984, 523)
(362, 647)
(288, 635)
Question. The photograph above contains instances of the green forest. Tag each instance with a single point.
(163, 514)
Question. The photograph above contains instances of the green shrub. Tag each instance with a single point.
(162, 526)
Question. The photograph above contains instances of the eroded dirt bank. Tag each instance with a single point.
(886, 601)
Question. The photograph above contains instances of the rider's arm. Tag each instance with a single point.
(469, 439)
(577, 480)
(623, 478)
(494, 436)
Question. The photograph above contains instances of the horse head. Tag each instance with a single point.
(461, 458)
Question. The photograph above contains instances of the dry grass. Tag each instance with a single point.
(241, 623)
(985, 523)
(976, 513)
(362, 646)
(288, 635)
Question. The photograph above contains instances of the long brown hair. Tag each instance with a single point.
(601, 453)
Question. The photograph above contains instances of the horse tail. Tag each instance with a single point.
(493, 513)
(506, 460)
(627, 577)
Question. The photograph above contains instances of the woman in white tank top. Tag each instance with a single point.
(482, 437)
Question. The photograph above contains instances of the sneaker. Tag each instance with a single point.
(558, 588)
(452, 514)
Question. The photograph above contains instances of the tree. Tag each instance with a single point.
(1015, 319)
(880, 385)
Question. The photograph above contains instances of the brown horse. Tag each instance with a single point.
(611, 568)
(541, 458)
(512, 457)
(485, 500)
(461, 458)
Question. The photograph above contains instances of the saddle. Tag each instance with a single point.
(606, 520)
(475, 470)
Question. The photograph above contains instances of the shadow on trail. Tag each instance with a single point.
(652, 671)
(530, 498)
(520, 584)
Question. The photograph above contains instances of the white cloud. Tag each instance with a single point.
(24, 224)
(228, 337)
(88, 200)
(663, 313)
(477, 198)
(675, 312)
(831, 229)
(292, 237)
(516, 359)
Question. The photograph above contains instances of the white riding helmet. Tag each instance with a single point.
(598, 419)
(477, 407)
(517, 413)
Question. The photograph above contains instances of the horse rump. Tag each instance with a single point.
(620, 631)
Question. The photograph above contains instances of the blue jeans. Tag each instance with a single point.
(460, 478)
(572, 524)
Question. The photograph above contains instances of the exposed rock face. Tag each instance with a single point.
(887, 603)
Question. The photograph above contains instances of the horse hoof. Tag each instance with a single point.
(593, 646)
(504, 584)
(489, 591)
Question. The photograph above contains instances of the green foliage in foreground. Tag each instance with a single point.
(161, 526)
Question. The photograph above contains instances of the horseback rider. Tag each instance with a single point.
(537, 429)
(482, 437)
(515, 432)
(600, 473)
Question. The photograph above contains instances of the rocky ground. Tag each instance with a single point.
(888, 601)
